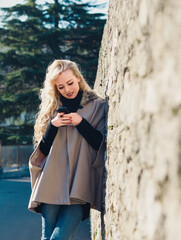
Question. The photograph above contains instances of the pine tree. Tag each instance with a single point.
(33, 36)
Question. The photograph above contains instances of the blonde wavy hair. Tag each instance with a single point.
(50, 96)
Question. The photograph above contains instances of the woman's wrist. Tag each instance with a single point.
(52, 125)
(79, 120)
(52, 122)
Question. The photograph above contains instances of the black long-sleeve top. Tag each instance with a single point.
(93, 136)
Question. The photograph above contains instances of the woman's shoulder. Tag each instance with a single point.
(91, 96)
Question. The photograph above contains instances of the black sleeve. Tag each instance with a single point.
(92, 135)
(48, 138)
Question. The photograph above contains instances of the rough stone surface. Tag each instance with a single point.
(140, 74)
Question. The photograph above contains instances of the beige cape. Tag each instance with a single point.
(73, 170)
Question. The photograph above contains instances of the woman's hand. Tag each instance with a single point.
(39, 160)
(75, 118)
(61, 120)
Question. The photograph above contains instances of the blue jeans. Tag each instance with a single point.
(60, 221)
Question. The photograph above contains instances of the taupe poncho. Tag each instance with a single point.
(72, 172)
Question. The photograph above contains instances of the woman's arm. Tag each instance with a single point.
(48, 138)
(51, 131)
(92, 135)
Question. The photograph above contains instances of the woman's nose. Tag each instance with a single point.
(67, 88)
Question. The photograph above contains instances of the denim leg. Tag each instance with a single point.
(70, 217)
(50, 213)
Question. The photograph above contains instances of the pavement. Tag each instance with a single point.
(14, 173)
(16, 221)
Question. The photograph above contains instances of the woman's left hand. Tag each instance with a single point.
(75, 118)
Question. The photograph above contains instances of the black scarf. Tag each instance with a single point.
(72, 104)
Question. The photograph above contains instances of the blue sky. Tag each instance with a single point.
(9, 3)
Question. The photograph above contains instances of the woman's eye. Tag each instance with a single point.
(68, 84)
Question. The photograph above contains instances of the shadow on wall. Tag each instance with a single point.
(104, 178)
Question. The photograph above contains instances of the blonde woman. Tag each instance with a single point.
(66, 166)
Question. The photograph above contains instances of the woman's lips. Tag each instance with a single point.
(70, 94)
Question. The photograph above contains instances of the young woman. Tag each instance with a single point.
(66, 166)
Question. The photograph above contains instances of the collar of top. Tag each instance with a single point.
(72, 104)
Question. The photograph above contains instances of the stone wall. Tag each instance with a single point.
(140, 74)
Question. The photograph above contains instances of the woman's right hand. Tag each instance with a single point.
(61, 120)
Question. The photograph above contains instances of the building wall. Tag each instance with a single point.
(139, 73)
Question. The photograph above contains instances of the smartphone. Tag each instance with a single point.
(63, 109)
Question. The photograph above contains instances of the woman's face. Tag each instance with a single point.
(67, 84)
